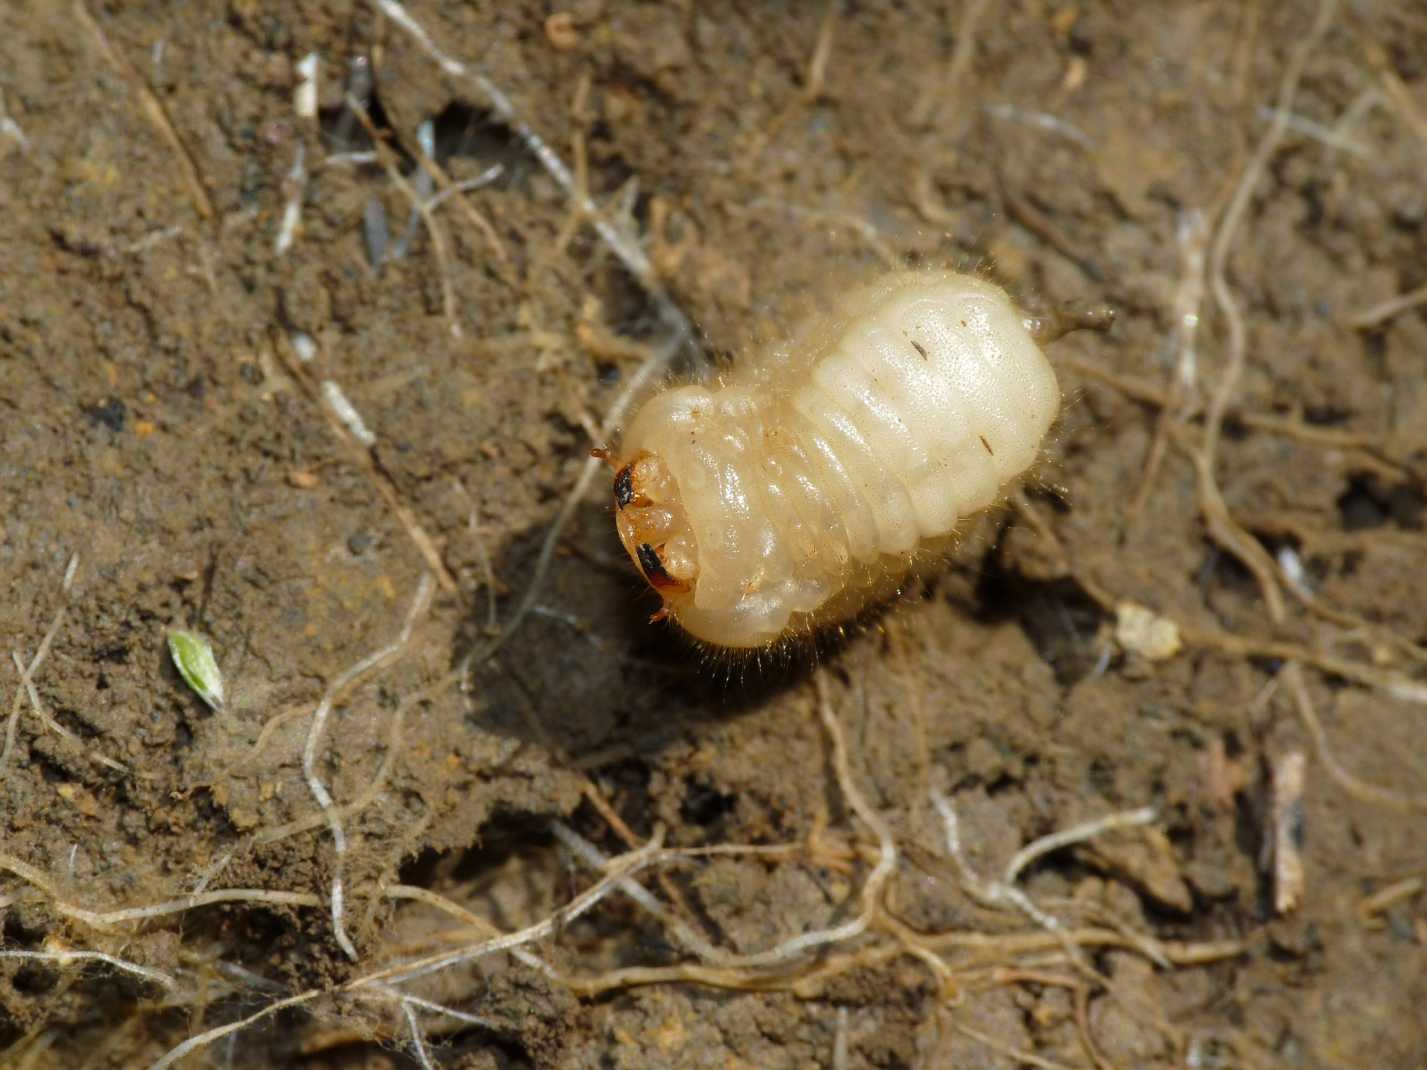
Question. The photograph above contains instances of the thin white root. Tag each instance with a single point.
(107, 919)
(996, 893)
(988, 893)
(626, 865)
(455, 910)
(54, 726)
(27, 683)
(881, 872)
(202, 1040)
(804, 942)
(593, 857)
(1354, 786)
(440, 1008)
(1395, 306)
(371, 662)
(1076, 834)
(418, 1038)
(1233, 215)
(158, 977)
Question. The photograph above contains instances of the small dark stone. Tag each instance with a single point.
(110, 414)
(360, 543)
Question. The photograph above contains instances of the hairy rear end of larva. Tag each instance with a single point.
(801, 489)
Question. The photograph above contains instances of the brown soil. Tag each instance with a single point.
(159, 427)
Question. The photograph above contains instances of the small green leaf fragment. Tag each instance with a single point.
(193, 657)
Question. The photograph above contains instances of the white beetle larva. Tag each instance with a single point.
(799, 489)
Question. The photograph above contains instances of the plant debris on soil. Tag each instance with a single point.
(310, 315)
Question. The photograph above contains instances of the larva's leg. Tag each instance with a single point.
(1071, 316)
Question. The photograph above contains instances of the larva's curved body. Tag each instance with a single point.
(800, 488)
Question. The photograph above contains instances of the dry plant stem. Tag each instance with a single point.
(1233, 215)
(35, 1045)
(364, 457)
(575, 218)
(1143, 943)
(374, 788)
(618, 878)
(812, 86)
(13, 723)
(1043, 227)
(294, 188)
(1081, 994)
(998, 946)
(624, 248)
(158, 977)
(1050, 952)
(1358, 789)
(488, 571)
(154, 110)
(394, 734)
(439, 1008)
(379, 659)
(421, 205)
(1398, 94)
(839, 1043)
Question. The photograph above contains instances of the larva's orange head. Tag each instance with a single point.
(654, 528)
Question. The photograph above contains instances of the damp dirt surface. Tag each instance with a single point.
(247, 389)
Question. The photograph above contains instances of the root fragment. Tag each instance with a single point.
(420, 603)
